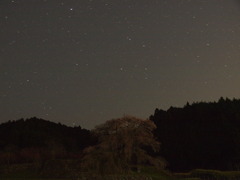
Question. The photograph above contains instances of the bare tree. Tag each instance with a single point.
(123, 145)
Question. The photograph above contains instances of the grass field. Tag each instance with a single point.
(147, 173)
(206, 174)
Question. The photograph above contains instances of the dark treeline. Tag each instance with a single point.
(201, 135)
(37, 140)
(41, 148)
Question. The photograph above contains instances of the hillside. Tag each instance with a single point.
(33, 139)
(201, 135)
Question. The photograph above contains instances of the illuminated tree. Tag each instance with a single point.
(123, 145)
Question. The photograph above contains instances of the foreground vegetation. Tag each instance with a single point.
(30, 172)
(206, 174)
(189, 139)
(147, 173)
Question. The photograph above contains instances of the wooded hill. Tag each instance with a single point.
(36, 139)
(201, 135)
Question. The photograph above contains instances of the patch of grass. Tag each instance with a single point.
(210, 174)
(155, 174)
(71, 172)
(18, 171)
(31, 179)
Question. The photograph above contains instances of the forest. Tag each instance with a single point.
(201, 135)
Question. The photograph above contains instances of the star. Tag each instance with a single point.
(62, 51)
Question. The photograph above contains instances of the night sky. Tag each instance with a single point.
(82, 62)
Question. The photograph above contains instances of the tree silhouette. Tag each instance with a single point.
(201, 135)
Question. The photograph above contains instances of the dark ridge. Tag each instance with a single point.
(37, 136)
(200, 135)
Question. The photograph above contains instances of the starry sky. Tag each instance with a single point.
(82, 62)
